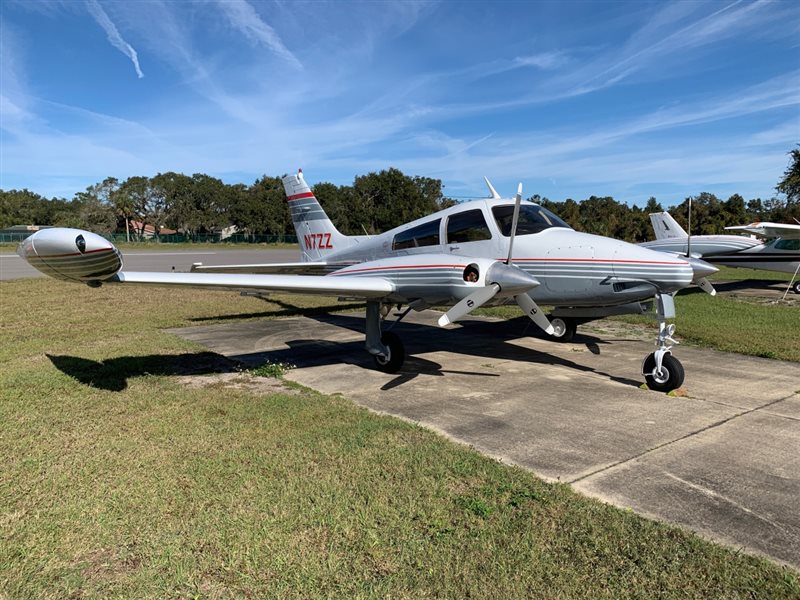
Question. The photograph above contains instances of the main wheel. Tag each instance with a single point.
(564, 329)
(796, 287)
(392, 362)
(668, 378)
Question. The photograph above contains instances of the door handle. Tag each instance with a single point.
(454, 248)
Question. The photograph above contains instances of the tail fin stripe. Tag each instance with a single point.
(298, 196)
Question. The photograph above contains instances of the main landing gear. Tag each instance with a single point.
(564, 328)
(386, 348)
(662, 371)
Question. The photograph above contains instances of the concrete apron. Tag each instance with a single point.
(723, 461)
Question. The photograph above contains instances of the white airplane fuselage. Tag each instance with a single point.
(574, 268)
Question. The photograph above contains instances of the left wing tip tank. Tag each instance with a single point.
(71, 255)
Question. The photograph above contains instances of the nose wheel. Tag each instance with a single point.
(662, 371)
(666, 377)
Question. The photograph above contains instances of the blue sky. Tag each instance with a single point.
(628, 99)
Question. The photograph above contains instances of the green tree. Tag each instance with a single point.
(789, 185)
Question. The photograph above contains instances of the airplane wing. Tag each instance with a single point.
(296, 268)
(770, 230)
(359, 287)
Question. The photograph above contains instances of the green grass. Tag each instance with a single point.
(734, 325)
(121, 479)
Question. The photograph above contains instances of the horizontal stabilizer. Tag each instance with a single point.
(786, 231)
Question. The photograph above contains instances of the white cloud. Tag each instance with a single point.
(113, 34)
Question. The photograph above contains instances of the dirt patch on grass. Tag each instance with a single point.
(237, 381)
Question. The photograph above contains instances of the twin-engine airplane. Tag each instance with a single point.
(780, 253)
(483, 252)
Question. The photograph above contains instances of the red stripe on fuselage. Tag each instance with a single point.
(299, 196)
(398, 267)
(591, 260)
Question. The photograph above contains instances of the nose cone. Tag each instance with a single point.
(71, 254)
(701, 268)
(512, 280)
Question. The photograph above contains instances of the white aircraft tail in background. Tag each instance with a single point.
(665, 227)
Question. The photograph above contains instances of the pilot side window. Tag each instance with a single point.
(783, 244)
(426, 234)
(467, 226)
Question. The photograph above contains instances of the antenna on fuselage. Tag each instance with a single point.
(494, 195)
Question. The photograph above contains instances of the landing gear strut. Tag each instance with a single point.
(662, 371)
(386, 348)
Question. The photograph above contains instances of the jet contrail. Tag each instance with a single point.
(113, 35)
(244, 17)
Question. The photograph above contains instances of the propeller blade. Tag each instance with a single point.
(532, 309)
(689, 235)
(514, 220)
(705, 285)
(468, 304)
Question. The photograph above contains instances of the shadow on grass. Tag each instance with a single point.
(113, 374)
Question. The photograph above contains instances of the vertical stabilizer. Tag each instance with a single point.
(315, 231)
(665, 227)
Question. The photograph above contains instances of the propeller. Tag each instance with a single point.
(514, 221)
(477, 298)
(505, 278)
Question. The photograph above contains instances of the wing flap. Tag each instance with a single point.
(359, 287)
(295, 268)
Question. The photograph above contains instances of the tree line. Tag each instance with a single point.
(376, 202)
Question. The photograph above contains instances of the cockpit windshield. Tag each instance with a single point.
(532, 219)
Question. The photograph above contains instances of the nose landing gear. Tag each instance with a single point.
(662, 371)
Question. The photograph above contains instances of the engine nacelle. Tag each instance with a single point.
(71, 255)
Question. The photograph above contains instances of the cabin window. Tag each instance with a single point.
(467, 226)
(426, 234)
(532, 219)
(787, 245)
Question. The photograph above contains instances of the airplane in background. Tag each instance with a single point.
(483, 252)
(781, 253)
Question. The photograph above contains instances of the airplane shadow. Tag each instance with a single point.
(113, 374)
(486, 339)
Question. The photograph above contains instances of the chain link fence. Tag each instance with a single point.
(177, 238)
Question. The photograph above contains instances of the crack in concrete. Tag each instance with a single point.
(683, 437)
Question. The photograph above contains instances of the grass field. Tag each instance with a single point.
(128, 473)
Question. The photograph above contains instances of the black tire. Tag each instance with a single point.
(796, 287)
(565, 328)
(671, 375)
(397, 354)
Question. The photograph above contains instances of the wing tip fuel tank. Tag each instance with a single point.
(71, 254)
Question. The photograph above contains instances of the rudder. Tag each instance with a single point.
(316, 233)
